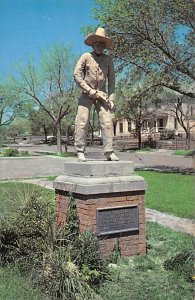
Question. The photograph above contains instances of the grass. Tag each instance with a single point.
(64, 154)
(171, 193)
(144, 149)
(183, 152)
(49, 178)
(12, 194)
(145, 277)
(14, 287)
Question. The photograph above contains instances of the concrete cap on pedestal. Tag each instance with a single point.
(97, 177)
(98, 168)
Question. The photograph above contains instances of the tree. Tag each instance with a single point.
(10, 103)
(180, 107)
(51, 85)
(135, 102)
(17, 126)
(153, 36)
(40, 122)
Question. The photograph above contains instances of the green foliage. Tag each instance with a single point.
(60, 278)
(181, 263)
(10, 152)
(72, 221)
(167, 135)
(93, 268)
(10, 103)
(26, 234)
(116, 254)
(50, 86)
(145, 38)
(13, 152)
(82, 248)
(15, 195)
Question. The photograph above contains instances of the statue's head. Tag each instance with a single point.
(98, 47)
(98, 40)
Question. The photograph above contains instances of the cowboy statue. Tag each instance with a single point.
(91, 73)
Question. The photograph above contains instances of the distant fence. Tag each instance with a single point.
(124, 144)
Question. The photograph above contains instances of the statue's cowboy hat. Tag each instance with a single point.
(98, 36)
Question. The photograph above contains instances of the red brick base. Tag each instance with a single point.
(130, 243)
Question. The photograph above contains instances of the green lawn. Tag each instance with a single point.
(183, 152)
(14, 287)
(171, 193)
(153, 276)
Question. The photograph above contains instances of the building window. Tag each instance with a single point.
(121, 127)
(129, 126)
(175, 123)
(145, 124)
(161, 123)
(192, 110)
(114, 129)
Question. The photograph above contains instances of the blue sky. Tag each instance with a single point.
(26, 26)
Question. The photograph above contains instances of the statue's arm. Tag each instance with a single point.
(79, 74)
(111, 80)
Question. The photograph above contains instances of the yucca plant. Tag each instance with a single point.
(24, 233)
(60, 261)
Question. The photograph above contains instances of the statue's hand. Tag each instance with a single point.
(111, 104)
(93, 94)
(102, 96)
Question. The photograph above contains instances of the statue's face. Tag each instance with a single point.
(98, 47)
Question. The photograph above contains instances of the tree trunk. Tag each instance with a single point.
(138, 129)
(139, 138)
(187, 140)
(45, 133)
(59, 144)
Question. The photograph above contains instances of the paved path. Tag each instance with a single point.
(175, 223)
(27, 167)
(170, 221)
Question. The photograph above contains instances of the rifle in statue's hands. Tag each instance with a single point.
(102, 96)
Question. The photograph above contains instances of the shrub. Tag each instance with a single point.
(93, 268)
(24, 153)
(60, 277)
(167, 135)
(181, 263)
(10, 152)
(149, 143)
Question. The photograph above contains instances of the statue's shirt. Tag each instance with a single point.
(96, 72)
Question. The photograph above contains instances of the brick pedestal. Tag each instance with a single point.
(98, 186)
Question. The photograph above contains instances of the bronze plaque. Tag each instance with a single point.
(117, 219)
